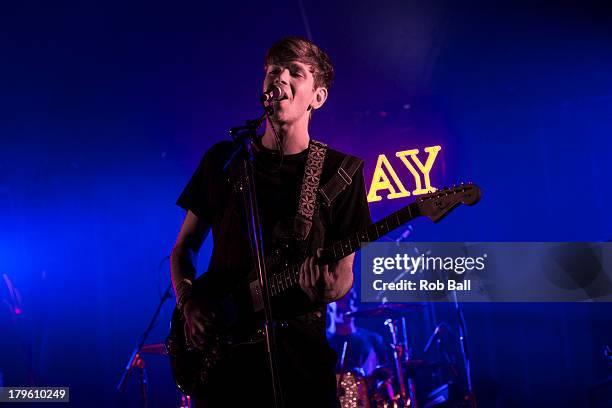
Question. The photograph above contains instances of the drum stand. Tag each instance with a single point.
(470, 398)
(136, 360)
(401, 352)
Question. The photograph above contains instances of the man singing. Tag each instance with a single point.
(338, 208)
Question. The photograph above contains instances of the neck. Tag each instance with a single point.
(294, 136)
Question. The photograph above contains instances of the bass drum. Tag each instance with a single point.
(352, 390)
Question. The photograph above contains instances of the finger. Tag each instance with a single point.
(198, 341)
(199, 327)
(327, 275)
(330, 277)
(197, 320)
(307, 272)
(303, 276)
(188, 337)
(316, 272)
(195, 338)
(195, 332)
(313, 271)
(319, 252)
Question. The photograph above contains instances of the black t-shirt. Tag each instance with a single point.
(210, 196)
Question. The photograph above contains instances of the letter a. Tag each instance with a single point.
(380, 181)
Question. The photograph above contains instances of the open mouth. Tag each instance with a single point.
(285, 97)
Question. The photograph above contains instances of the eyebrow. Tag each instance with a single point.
(292, 65)
(305, 68)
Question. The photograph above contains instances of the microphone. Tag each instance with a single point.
(274, 93)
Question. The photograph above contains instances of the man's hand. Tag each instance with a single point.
(326, 283)
(194, 323)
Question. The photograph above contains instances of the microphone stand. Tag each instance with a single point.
(471, 398)
(406, 398)
(136, 359)
(243, 136)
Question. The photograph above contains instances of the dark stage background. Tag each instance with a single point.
(106, 109)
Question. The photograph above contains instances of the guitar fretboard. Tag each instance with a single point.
(289, 278)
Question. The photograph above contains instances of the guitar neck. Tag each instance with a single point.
(340, 249)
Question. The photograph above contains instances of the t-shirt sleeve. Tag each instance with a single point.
(201, 193)
(350, 212)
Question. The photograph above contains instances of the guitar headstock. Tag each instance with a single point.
(438, 204)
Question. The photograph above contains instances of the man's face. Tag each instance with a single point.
(297, 81)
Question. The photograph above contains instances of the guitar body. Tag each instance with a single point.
(191, 368)
(234, 319)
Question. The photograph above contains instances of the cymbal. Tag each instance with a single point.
(388, 310)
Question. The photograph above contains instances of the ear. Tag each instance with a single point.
(319, 98)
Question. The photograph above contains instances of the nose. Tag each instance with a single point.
(283, 76)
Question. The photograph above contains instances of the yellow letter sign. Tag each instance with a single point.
(380, 180)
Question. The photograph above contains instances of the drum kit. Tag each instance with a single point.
(389, 386)
(394, 385)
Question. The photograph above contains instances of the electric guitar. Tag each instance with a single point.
(192, 368)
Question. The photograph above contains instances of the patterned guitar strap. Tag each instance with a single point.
(310, 186)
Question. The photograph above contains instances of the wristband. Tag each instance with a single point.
(183, 292)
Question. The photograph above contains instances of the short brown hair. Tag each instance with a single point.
(300, 49)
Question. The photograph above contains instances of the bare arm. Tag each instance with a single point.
(185, 251)
(183, 266)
